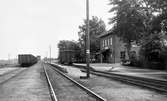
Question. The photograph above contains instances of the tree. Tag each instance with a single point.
(144, 21)
(158, 10)
(72, 45)
(164, 26)
(128, 22)
(156, 5)
(97, 27)
(154, 50)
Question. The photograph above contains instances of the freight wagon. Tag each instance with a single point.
(27, 59)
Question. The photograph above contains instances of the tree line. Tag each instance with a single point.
(97, 27)
(141, 21)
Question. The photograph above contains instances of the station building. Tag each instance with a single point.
(112, 49)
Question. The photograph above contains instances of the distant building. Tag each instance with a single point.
(39, 58)
(112, 49)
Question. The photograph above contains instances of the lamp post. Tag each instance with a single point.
(88, 40)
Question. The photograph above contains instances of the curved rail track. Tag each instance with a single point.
(77, 85)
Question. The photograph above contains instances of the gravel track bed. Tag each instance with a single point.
(7, 76)
(6, 70)
(65, 90)
(117, 91)
(27, 85)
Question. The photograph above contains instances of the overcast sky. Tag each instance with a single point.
(30, 26)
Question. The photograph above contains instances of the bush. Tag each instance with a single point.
(153, 53)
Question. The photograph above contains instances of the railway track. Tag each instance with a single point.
(6, 73)
(9, 75)
(52, 92)
(64, 88)
(153, 84)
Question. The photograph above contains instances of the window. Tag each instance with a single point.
(111, 41)
(122, 55)
(105, 42)
(108, 42)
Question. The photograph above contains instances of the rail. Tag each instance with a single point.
(148, 83)
(81, 86)
(54, 98)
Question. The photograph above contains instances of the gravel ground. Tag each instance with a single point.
(114, 90)
(29, 85)
(5, 70)
(66, 90)
(6, 76)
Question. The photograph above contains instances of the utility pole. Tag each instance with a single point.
(46, 53)
(88, 40)
(87, 43)
(9, 58)
(50, 52)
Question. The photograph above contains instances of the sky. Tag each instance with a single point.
(31, 26)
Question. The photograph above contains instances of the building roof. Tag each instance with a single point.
(106, 34)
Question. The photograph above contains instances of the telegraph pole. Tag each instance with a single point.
(88, 40)
(50, 52)
(9, 58)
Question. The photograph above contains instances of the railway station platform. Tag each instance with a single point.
(128, 70)
(28, 85)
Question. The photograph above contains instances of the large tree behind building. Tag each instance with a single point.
(97, 27)
(128, 21)
(144, 21)
(154, 40)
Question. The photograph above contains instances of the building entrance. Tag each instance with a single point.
(106, 56)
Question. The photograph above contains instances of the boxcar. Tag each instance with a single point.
(26, 59)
